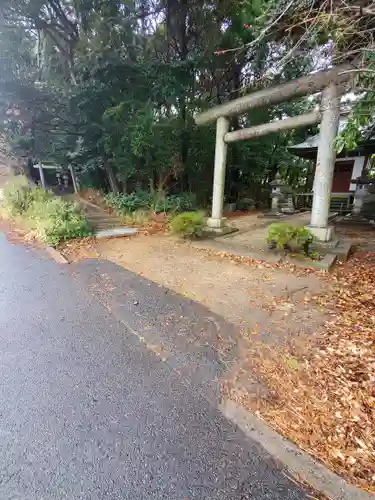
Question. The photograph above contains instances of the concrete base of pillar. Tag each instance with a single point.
(336, 247)
(217, 227)
(215, 223)
(218, 231)
(322, 233)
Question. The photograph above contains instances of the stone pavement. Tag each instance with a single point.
(252, 229)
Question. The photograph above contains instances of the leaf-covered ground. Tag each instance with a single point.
(323, 396)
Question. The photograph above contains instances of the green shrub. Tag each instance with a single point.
(282, 235)
(39, 195)
(303, 237)
(181, 203)
(128, 203)
(188, 224)
(157, 202)
(16, 195)
(20, 195)
(55, 220)
(173, 203)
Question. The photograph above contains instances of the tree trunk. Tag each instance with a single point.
(111, 177)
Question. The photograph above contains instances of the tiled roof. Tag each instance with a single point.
(312, 141)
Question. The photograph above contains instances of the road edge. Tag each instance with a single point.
(56, 255)
(298, 462)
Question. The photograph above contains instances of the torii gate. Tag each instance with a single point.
(331, 83)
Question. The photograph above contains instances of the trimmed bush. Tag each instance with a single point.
(188, 224)
(287, 236)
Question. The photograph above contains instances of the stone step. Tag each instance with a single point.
(100, 214)
(117, 232)
(105, 225)
(101, 217)
(98, 221)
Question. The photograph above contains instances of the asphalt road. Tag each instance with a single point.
(88, 412)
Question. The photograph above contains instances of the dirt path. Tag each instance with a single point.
(275, 303)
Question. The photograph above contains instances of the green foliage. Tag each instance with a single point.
(280, 233)
(56, 220)
(114, 89)
(315, 255)
(53, 219)
(174, 203)
(287, 236)
(157, 202)
(303, 236)
(188, 224)
(16, 195)
(128, 203)
(360, 119)
(20, 195)
(39, 195)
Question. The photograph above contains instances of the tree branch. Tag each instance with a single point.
(261, 35)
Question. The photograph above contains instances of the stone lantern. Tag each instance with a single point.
(276, 194)
(281, 196)
(360, 194)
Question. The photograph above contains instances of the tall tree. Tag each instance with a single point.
(113, 87)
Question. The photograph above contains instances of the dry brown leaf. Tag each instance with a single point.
(327, 406)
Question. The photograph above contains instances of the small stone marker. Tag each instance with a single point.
(117, 232)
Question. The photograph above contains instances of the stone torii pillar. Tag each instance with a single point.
(41, 174)
(74, 178)
(215, 222)
(321, 81)
(325, 163)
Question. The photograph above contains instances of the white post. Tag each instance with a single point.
(41, 174)
(325, 163)
(222, 127)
